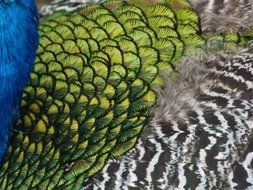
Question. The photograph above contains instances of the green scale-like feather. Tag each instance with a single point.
(91, 88)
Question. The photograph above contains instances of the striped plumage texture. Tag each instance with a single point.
(224, 15)
(201, 133)
(93, 83)
(69, 5)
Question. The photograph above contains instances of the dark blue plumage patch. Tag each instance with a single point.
(18, 44)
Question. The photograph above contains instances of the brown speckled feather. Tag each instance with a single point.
(224, 15)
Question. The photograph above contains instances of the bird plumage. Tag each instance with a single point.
(201, 133)
(91, 89)
(18, 43)
(100, 68)
(219, 16)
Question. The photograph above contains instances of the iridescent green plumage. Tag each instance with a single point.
(91, 89)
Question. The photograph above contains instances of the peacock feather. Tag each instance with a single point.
(99, 71)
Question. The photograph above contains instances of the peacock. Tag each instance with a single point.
(127, 94)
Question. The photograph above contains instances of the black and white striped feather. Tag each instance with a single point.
(201, 135)
(68, 5)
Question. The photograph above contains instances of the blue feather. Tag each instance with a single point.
(18, 44)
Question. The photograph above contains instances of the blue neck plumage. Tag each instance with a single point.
(18, 44)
